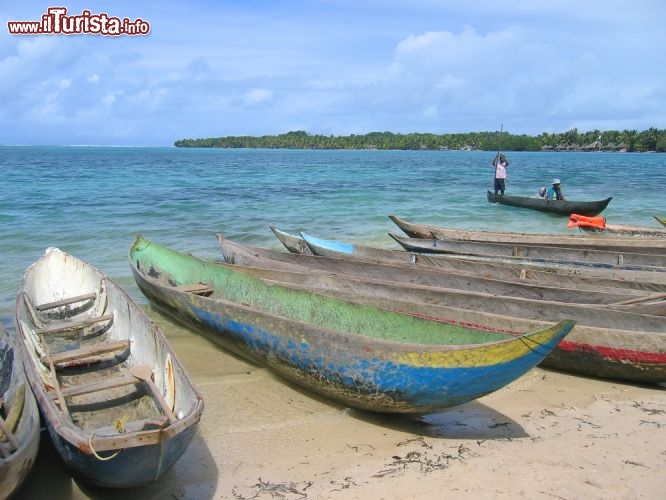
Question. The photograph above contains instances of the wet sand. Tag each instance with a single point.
(547, 435)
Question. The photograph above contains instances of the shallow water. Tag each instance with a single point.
(91, 201)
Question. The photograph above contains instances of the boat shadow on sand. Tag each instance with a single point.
(473, 420)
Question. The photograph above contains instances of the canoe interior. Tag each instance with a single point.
(105, 377)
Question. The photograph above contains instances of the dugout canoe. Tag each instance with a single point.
(633, 260)
(660, 220)
(567, 277)
(556, 207)
(623, 244)
(455, 280)
(19, 419)
(293, 243)
(645, 312)
(640, 275)
(116, 400)
(606, 352)
(362, 356)
(598, 226)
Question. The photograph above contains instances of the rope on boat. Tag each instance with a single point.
(97, 456)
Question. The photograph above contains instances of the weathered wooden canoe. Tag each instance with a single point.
(427, 265)
(458, 280)
(19, 419)
(557, 207)
(644, 312)
(638, 261)
(293, 243)
(118, 404)
(332, 248)
(362, 356)
(610, 352)
(622, 244)
(620, 231)
(661, 220)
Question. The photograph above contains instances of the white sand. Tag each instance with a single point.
(547, 435)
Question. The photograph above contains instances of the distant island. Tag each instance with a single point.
(652, 139)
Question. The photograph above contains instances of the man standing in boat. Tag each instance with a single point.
(500, 163)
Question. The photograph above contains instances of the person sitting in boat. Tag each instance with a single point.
(542, 192)
(555, 191)
(500, 163)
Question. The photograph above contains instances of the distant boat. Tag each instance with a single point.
(557, 207)
(19, 419)
(361, 356)
(661, 220)
(116, 401)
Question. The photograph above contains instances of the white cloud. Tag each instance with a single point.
(340, 67)
(257, 96)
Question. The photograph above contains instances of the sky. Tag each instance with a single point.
(333, 67)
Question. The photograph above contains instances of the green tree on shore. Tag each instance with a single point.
(652, 139)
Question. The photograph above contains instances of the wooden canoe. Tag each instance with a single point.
(459, 280)
(646, 312)
(118, 404)
(620, 231)
(293, 243)
(622, 244)
(565, 277)
(661, 220)
(614, 351)
(19, 419)
(637, 261)
(556, 207)
(331, 248)
(362, 356)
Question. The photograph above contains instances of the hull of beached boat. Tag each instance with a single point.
(361, 356)
(603, 344)
(556, 207)
(509, 268)
(116, 401)
(553, 253)
(19, 410)
(621, 242)
(651, 276)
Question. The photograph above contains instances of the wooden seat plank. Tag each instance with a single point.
(76, 325)
(100, 385)
(196, 289)
(86, 352)
(65, 302)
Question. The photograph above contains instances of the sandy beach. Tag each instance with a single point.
(547, 435)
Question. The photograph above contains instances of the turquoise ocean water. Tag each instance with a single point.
(91, 201)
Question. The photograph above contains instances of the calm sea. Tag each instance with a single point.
(91, 201)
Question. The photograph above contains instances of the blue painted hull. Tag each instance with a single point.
(130, 468)
(357, 370)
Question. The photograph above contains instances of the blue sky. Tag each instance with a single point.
(210, 69)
